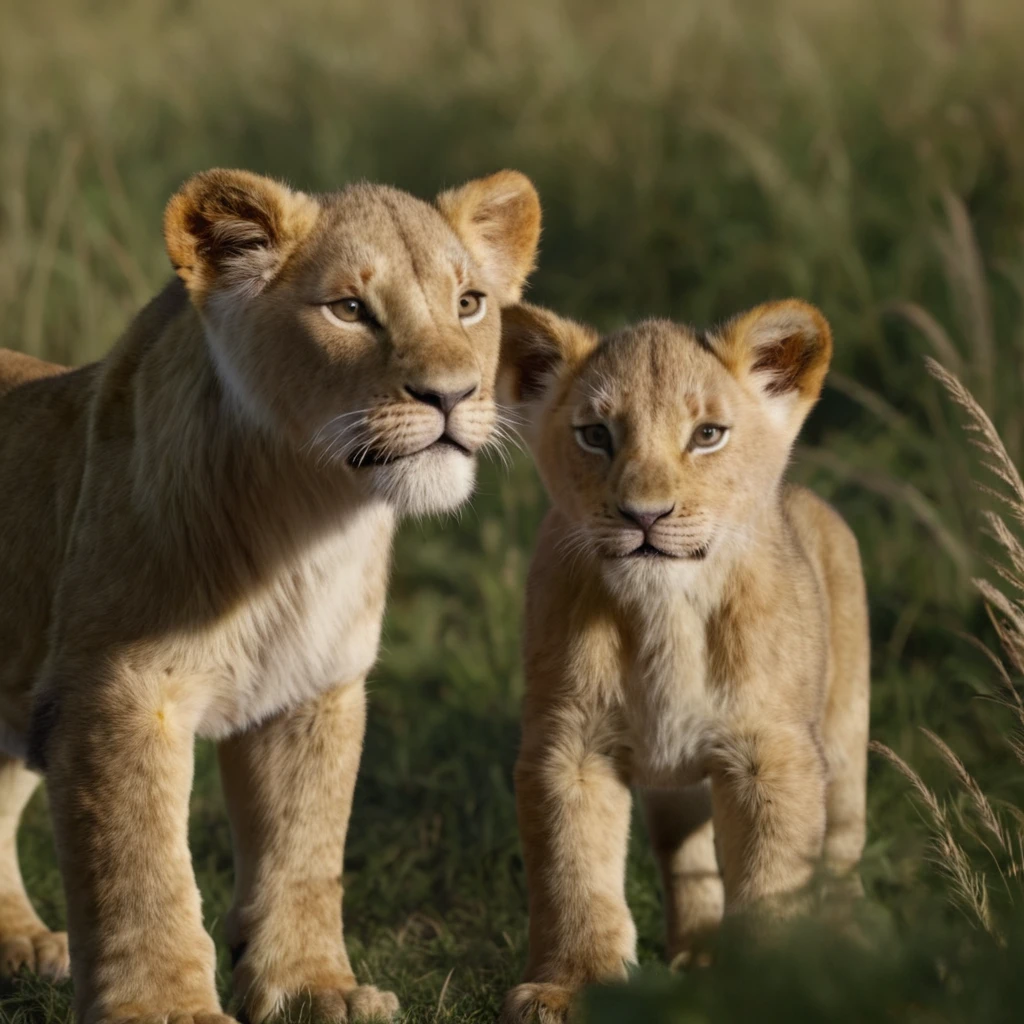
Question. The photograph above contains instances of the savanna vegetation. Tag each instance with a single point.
(693, 159)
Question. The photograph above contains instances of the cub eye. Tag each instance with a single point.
(347, 311)
(708, 437)
(595, 437)
(472, 307)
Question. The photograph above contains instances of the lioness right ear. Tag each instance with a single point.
(536, 345)
(498, 220)
(234, 229)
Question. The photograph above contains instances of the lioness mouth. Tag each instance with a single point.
(649, 551)
(376, 458)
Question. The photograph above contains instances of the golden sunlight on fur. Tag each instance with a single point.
(695, 628)
(197, 534)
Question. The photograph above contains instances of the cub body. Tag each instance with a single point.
(197, 536)
(695, 628)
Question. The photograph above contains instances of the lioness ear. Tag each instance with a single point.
(498, 220)
(783, 350)
(536, 345)
(234, 229)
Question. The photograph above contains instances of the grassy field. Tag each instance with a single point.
(693, 159)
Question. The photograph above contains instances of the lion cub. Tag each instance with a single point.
(196, 540)
(694, 627)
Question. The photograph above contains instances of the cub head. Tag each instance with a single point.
(660, 445)
(361, 327)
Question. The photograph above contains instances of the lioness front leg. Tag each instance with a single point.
(573, 810)
(768, 796)
(289, 786)
(119, 762)
(25, 942)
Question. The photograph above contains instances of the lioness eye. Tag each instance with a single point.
(595, 437)
(348, 310)
(708, 436)
(472, 307)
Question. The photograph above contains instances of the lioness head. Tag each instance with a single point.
(661, 445)
(362, 326)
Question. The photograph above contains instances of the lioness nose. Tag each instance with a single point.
(443, 400)
(644, 518)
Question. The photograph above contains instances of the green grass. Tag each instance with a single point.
(693, 159)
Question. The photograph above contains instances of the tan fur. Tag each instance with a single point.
(196, 534)
(726, 678)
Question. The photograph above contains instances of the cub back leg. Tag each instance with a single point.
(683, 839)
(846, 750)
(845, 729)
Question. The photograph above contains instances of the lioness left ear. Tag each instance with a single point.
(234, 229)
(782, 349)
(498, 220)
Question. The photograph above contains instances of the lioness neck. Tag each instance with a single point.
(211, 492)
(193, 435)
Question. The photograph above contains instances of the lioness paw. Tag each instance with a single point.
(364, 1004)
(176, 1017)
(369, 1003)
(45, 954)
(537, 1004)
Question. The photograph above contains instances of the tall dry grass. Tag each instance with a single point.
(1001, 835)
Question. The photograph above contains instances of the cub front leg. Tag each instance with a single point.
(768, 796)
(573, 810)
(289, 785)
(119, 759)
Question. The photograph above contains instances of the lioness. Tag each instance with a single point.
(694, 627)
(196, 535)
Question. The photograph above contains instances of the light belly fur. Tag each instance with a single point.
(317, 625)
(673, 718)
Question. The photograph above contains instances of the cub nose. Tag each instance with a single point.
(644, 518)
(443, 400)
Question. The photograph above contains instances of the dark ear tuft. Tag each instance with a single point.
(787, 365)
(234, 229)
(783, 350)
(535, 346)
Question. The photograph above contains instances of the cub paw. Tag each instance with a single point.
(537, 1004)
(691, 958)
(692, 950)
(45, 954)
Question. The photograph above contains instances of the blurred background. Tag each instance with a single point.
(693, 158)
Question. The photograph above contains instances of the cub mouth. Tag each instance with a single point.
(648, 550)
(377, 458)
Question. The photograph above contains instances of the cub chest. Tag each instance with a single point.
(672, 710)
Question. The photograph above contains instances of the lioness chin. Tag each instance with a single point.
(694, 627)
(196, 536)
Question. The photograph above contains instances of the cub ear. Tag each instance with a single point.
(536, 346)
(234, 229)
(783, 350)
(498, 220)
